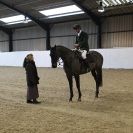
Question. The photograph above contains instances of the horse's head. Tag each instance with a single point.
(54, 56)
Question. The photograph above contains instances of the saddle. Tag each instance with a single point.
(85, 62)
(78, 54)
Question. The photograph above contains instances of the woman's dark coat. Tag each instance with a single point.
(31, 74)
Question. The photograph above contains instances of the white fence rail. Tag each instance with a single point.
(113, 58)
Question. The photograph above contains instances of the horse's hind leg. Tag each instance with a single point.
(77, 79)
(69, 77)
(94, 74)
(97, 90)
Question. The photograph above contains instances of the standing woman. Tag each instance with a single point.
(32, 79)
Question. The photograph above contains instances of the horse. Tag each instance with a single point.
(74, 67)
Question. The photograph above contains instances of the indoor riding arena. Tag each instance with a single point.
(37, 27)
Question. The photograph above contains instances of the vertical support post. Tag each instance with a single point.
(99, 36)
(48, 46)
(10, 34)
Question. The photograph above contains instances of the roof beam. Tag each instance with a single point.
(40, 23)
(99, 36)
(4, 29)
(120, 14)
(10, 35)
(94, 17)
(9, 32)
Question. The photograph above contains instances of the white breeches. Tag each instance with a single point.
(84, 52)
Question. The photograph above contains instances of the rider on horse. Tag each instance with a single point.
(81, 44)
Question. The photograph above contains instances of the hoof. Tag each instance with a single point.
(79, 100)
(70, 100)
(96, 96)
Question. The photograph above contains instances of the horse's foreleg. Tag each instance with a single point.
(77, 79)
(69, 77)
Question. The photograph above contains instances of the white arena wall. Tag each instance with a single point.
(113, 58)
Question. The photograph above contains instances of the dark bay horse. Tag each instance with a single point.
(73, 67)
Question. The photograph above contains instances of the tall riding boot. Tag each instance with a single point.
(90, 62)
(87, 64)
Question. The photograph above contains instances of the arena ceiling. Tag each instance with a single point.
(30, 9)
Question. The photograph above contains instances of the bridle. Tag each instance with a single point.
(60, 62)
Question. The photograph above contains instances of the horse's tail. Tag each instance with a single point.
(100, 78)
